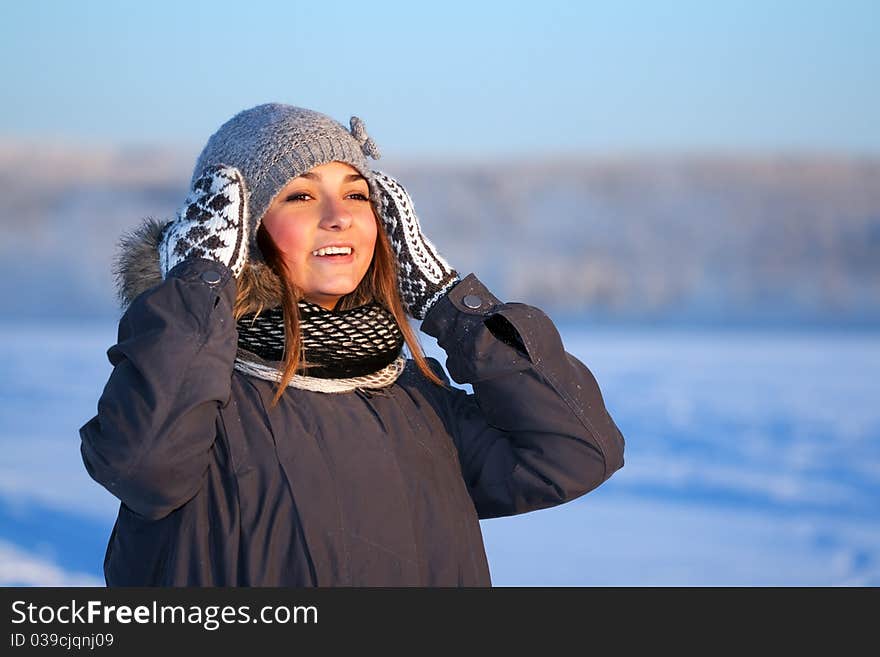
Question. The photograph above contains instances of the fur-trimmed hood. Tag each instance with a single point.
(136, 269)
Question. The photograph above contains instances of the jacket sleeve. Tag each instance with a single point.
(535, 433)
(150, 443)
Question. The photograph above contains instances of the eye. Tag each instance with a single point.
(359, 197)
(300, 196)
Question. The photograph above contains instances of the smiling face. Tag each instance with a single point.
(324, 225)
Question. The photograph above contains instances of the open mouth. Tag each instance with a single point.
(337, 254)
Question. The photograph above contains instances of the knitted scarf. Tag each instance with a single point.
(343, 349)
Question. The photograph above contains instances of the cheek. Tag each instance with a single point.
(371, 237)
(369, 232)
(289, 237)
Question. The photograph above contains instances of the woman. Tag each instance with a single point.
(261, 426)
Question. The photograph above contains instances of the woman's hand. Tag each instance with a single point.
(423, 274)
(212, 224)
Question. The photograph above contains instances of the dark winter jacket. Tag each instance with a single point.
(367, 488)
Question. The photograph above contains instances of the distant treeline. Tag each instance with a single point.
(683, 239)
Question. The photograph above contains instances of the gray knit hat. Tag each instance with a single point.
(272, 143)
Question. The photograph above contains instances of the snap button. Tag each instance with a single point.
(211, 277)
(472, 301)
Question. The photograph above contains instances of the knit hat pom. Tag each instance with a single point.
(359, 132)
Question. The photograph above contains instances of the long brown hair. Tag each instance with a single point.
(378, 284)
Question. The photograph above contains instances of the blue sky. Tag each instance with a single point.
(455, 78)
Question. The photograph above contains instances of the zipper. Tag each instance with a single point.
(369, 393)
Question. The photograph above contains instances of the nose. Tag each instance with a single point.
(335, 216)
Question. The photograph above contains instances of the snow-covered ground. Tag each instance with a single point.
(752, 458)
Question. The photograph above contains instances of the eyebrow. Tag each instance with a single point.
(349, 178)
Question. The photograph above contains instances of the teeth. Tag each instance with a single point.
(333, 250)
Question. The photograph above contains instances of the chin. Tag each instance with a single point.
(337, 286)
(337, 290)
